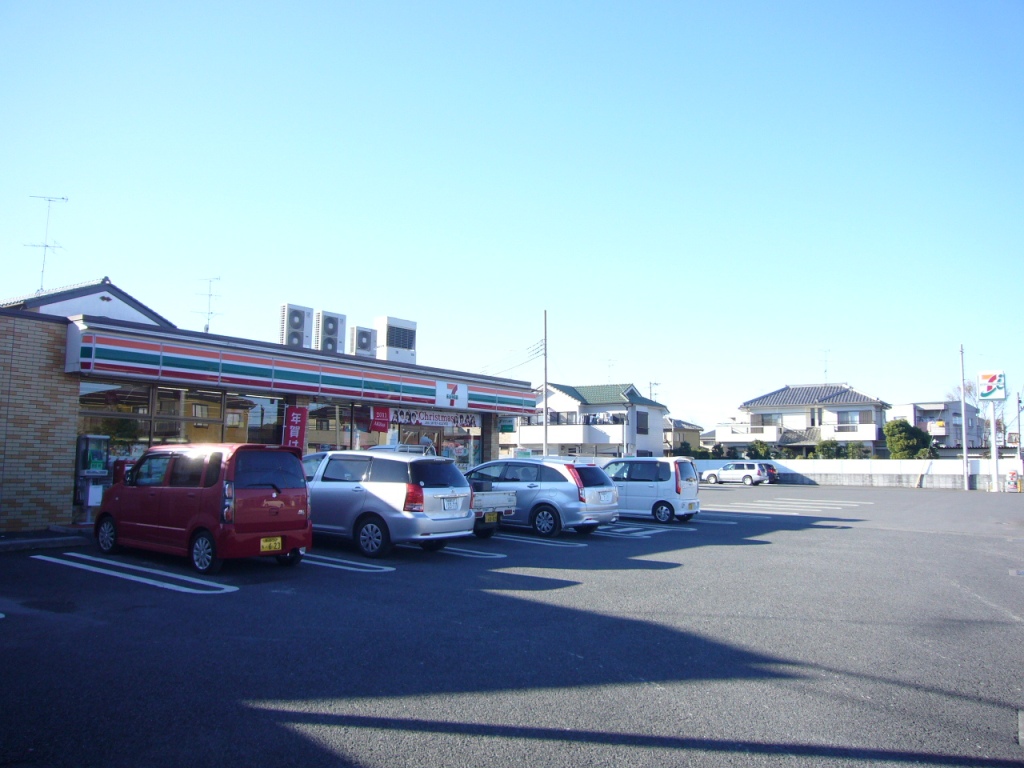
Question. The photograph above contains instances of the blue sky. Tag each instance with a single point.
(711, 201)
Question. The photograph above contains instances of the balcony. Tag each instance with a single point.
(567, 434)
(848, 433)
(745, 434)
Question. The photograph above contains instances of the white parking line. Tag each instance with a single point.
(472, 553)
(744, 515)
(346, 565)
(539, 542)
(835, 501)
(213, 588)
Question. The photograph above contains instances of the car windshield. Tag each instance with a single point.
(268, 469)
(437, 474)
(592, 476)
(686, 471)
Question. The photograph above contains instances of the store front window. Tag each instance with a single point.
(136, 416)
(338, 425)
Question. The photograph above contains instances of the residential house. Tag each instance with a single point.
(943, 420)
(797, 418)
(604, 420)
(678, 432)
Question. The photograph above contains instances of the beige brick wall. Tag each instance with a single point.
(38, 424)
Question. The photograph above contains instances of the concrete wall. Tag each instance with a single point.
(938, 473)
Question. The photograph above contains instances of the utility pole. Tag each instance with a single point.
(45, 245)
(963, 420)
(545, 391)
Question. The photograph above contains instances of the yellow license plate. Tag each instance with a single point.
(270, 544)
(490, 517)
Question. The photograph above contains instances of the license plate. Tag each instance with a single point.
(270, 544)
(691, 506)
(490, 517)
(606, 497)
(450, 504)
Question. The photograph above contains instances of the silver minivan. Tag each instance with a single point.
(553, 493)
(663, 487)
(378, 499)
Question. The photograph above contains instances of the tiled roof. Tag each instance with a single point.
(42, 298)
(606, 394)
(813, 395)
(680, 424)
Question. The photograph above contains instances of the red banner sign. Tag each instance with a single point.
(294, 434)
(381, 419)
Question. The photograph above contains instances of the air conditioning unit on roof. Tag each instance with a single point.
(296, 326)
(363, 342)
(399, 339)
(329, 332)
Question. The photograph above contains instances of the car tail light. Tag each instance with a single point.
(679, 479)
(413, 498)
(579, 483)
(227, 511)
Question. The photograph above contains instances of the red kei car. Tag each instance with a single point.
(210, 502)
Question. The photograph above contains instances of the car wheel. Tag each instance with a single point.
(433, 546)
(585, 530)
(545, 522)
(686, 518)
(106, 536)
(748, 480)
(663, 512)
(485, 533)
(712, 479)
(372, 537)
(204, 553)
(292, 558)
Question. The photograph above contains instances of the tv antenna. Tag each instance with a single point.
(45, 245)
(209, 301)
(650, 388)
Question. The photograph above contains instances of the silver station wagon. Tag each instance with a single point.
(552, 493)
(382, 498)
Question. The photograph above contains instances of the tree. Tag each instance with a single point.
(717, 450)
(684, 449)
(730, 452)
(758, 450)
(856, 450)
(827, 449)
(905, 441)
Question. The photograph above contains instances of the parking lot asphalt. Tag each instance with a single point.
(785, 626)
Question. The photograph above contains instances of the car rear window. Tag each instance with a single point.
(437, 474)
(592, 476)
(268, 469)
(686, 471)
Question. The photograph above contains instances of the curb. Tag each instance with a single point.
(56, 536)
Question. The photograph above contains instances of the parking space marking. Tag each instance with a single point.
(664, 528)
(833, 501)
(540, 542)
(460, 552)
(345, 565)
(112, 568)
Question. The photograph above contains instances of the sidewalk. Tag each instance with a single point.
(54, 536)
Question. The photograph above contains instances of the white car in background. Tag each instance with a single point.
(746, 472)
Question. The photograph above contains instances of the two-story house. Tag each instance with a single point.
(678, 432)
(799, 417)
(604, 420)
(944, 421)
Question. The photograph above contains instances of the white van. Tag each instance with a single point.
(664, 487)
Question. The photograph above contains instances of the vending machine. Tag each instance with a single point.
(92, 473)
